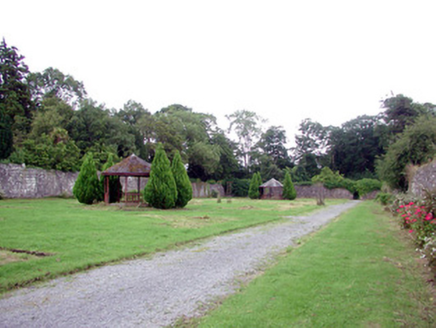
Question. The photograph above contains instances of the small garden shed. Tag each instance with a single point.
(131, 166)
(271, 189)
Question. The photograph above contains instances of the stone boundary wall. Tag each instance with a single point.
(17, 181)
(424, 178)
(311, 192)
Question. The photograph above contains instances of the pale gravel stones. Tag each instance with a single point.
(155, 292)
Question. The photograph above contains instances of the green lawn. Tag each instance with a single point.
(79, 236)
(360, 271)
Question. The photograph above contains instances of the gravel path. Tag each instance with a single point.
(155, 292)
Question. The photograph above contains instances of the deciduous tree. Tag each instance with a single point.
(246, 125)
(52, 83)
(416, 145)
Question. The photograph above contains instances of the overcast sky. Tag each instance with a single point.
(330, 61)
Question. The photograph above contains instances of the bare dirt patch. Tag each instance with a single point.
(248, 207)
(10, 257)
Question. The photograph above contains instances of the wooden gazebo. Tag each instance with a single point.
(271, 189)
(131, 166)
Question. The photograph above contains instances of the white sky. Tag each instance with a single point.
(286, 60)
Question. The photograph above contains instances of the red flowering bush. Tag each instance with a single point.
(418, 220)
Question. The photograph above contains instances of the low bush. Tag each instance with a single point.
(365, 186)
(384, 198)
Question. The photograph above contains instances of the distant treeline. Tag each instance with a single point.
(47, 121)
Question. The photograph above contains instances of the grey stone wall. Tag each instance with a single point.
(424, 178)
(311, 192)
(17, 181)
(203, 189)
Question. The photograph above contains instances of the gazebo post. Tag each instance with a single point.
(139, 189)
(106, 189)
(125, 189)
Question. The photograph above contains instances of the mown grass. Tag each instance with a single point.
(78, 236)
(357, 272)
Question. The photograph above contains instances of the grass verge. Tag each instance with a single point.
(77, 237)
(357, 272)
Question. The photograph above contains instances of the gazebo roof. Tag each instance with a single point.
(273, 183)
(130, 166)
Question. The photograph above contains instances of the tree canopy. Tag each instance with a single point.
(48, 120)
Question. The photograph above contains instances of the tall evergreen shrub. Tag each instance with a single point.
(161, 190)
(259, 180)
(87, 187)
(184, 187)
(253, 190)
(6, 137)
(289, 191)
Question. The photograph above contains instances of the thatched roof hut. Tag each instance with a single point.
(131, 166)
(271, 189)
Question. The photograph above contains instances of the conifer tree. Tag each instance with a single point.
(253, 190)
(184, 187)
(161, 191)
(6, 141)
(87, 188)
(289, 191)
(259, 180)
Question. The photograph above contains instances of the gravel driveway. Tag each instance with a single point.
(155, 292)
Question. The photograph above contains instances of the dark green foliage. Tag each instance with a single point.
(401, 111)
(310, 166)
(416, 145)
(273, 144)
(161, 190)
(15, 100)
(289, 191)
(355, 146)
(87, 188)
(239, 187)
(6, 136)
(259, 179)
(52, 152)
(384, 198)
(115, 187)
(365, 186)
(92, 126)
(253, 190)
(184, 187)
